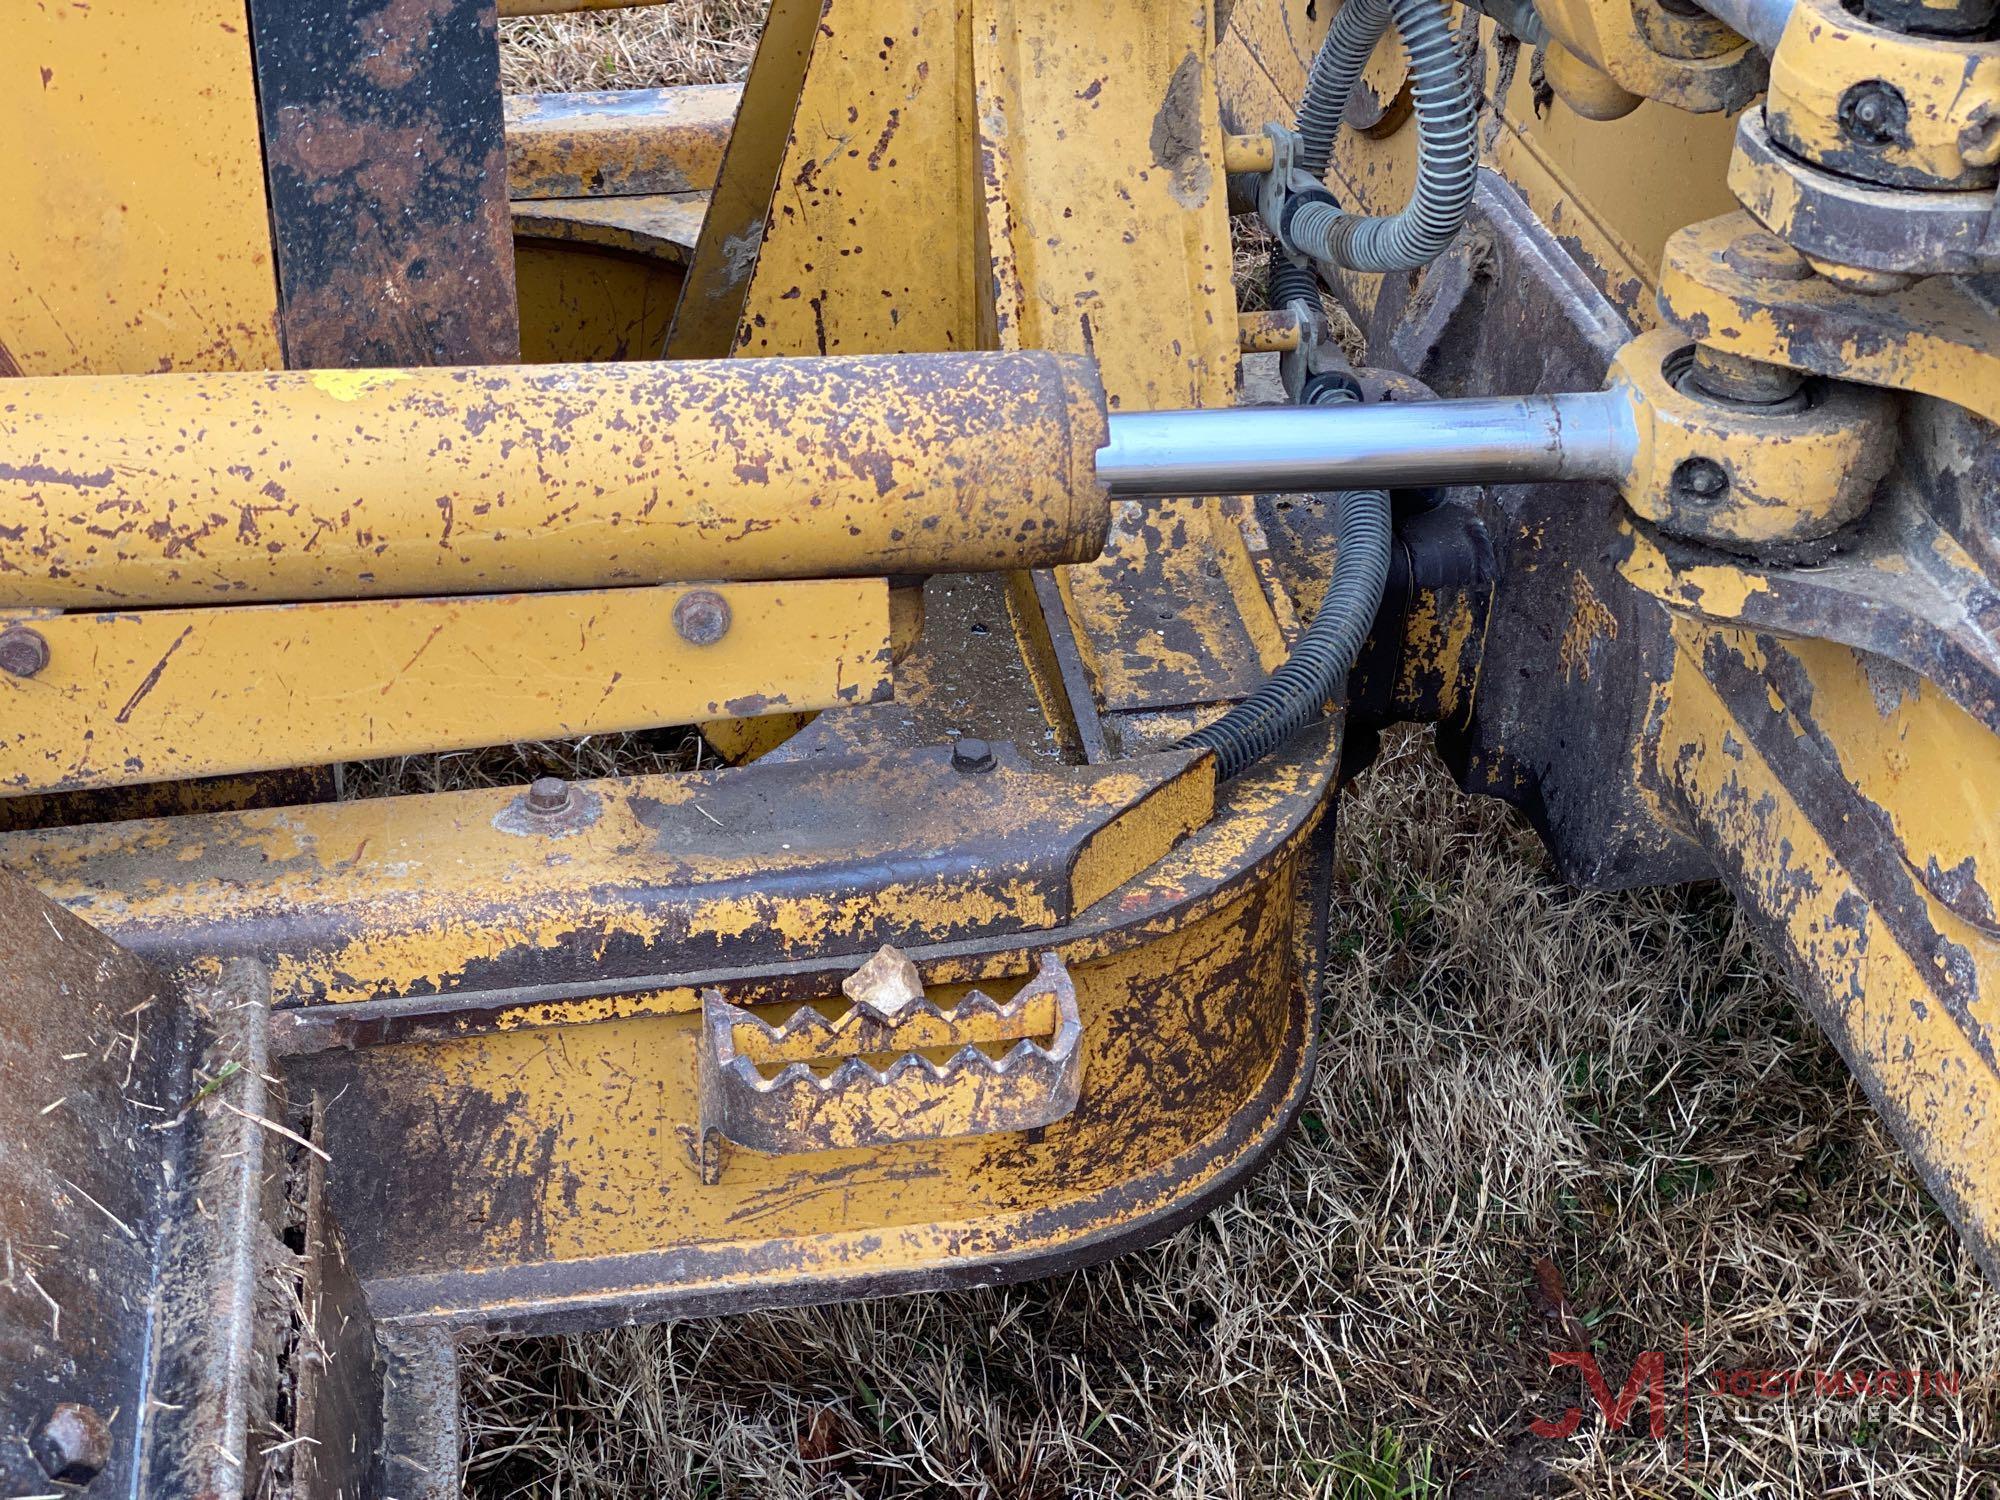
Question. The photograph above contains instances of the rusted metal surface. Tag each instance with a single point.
(659, 875)
(892, 1067)
(1936, 337)
(621, 144)
(163, 694)
(508, 1229)
(1267, 332)
(218, 1327)
(93, 1053)
(387, 173)
(370, 483)
(1833, 218)
(878, 161)
(1911, 109)
(1902, 587)
(334, 1365)
(1117, 142)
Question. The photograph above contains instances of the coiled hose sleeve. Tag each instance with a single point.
(1447, 147)
(1296, 694)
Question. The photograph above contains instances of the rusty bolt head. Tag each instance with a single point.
(23, 652)
(1700, 478)
(701, 616)
(74, 1445)
(1874, 113)
(1766, 257)
(970, 754)
(548, 795)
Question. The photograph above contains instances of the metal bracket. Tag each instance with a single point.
(893, 1067)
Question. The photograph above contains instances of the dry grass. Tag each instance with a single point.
(681, 41)
(1543, 1120)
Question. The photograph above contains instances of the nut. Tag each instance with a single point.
(1701, 478)
(548, 795)
(1875, 113)
(971, 754)
(701, 616)
(23, 652)
(73, 1445)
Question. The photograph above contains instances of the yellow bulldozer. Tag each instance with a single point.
(894, 417)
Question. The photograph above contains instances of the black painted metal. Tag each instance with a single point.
(387, 167)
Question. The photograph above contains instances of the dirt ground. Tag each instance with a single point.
(1544, 1121)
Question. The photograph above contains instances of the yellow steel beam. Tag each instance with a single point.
(868, 247)
(1114, 140)
(1820, 795)
(136, 235)
(782, 861)
(705, 324)
(369, 483)
(154, 695)
(633, 141)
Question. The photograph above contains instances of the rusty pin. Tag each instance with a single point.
(701, 616)
(74, 1445)
(23, 652)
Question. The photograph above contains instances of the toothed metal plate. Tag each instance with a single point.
(872, 1076)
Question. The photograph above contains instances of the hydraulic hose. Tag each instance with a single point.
(1297, 693)
(1447, 148)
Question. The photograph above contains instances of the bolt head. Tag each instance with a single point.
(73, 1445)
(1874, 113)
(1701, 478)
(23, 652)
(548, 794)
(701, 617)
(1766, 257)
(971, 754)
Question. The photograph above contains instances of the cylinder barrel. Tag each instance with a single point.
(1254, 450)
(226, 488)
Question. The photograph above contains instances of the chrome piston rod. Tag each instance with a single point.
(1256, 450)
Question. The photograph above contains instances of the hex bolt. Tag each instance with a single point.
(1765, 257)
(74, 1445)
(701, 617)
(1701, 478)
(970, 754)
(548, 795)
(1874, 113)
(23, 652)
